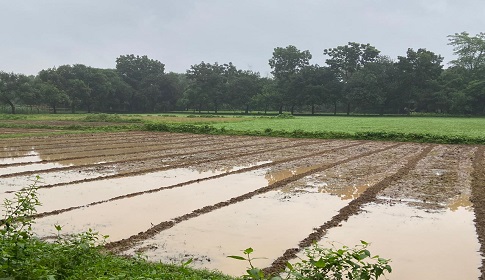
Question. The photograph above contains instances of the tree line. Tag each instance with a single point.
(356, 78)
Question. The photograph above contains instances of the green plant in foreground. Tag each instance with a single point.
(16, 228)
(327, 264)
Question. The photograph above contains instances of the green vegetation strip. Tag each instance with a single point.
(404, 130)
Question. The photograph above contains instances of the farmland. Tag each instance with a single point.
(172, 196)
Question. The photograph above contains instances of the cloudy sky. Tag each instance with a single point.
(39, 34)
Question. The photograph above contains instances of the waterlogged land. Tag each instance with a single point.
(175, 196)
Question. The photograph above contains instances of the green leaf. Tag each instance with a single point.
(248, 250)
(237, 258)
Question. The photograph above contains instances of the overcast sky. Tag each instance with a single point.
(40, 34)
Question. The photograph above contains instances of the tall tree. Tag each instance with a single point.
(286, 64)
(208, 82)
(242, 87)
(140, 72)
(419, 72)
(346, 61)
(470, 51)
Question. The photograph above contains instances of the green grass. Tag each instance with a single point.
(470, 127)
(456, 130)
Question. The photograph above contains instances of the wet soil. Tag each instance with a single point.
(163, 194)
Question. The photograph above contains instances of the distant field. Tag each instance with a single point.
(416, 129)
(471, 127)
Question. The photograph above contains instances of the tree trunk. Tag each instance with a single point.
(215, 106)
(348, 108)
(54, 109)
(313, 109)
(335, 108)
(12, 106)
(292, 109)
(247, 110)
(281, 109)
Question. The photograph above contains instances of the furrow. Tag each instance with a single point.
(124, 244)
(478, 200)
(106, 147)
(106, 163)
(352, 208)
(128, 153)
(182, 165)
(86, 142)
(247, 169)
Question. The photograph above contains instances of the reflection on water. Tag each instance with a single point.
(460, 201)
(316, 185)
(423, 244)
(276, 176)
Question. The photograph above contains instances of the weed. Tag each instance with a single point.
(326, 264)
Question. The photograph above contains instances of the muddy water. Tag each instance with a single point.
(89, 192)
(16, 183)
(422, 244)
(294, 210)
(123, 218)
(270, 223)
(29, 167)
(31, 156)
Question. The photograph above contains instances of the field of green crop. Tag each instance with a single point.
(471, 127)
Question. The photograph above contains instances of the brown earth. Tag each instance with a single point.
(426, 176)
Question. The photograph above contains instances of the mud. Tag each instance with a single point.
(173, 196)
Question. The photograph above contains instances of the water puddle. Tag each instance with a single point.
(31, 156)
(30, 167)
(423, 244)
(12, 184)
(270, 223)
(126, 217)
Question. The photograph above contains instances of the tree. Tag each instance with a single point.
(470, 51)
(346, 61)
(12, 88)
(141, 73)
(52, 95)
(419, 71)
(242, 87)
(208, 82)
(286, 64)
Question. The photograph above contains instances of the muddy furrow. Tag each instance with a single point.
(182, 165)
(104, 147)
(148, 158)
(68, 138)
(478, 200)
(192, 143)
(352, 208)
(242, 170)
(124, 244)
(88, 142)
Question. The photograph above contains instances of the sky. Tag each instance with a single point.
(41, 34)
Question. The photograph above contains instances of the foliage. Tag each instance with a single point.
(326, 264)
(16, 235)
(470, 51)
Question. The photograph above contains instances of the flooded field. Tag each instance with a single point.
(172, 197)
